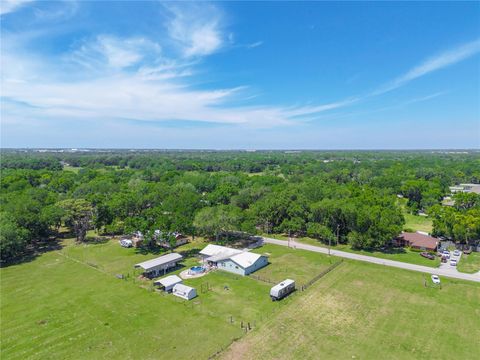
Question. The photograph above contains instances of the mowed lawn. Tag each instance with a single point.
(69, 304)
(365, 311)
(469, 263)
(299, 265)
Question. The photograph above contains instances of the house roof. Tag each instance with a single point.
(181, 288)
(245, 259)
(169, 280)
(420, 240)
(162, 260)
(214, 250)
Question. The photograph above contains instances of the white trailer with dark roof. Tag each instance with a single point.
(281, 290)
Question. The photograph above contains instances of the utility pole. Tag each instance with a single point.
(338, 232)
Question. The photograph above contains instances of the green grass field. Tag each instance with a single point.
(364, 311)
(403, 254)
(69, 304)
(469, 263)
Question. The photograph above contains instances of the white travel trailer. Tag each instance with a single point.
(281, 290)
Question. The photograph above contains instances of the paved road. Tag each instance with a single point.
(451, 272)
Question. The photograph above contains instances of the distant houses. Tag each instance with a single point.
(232, 260)
(417, 240)
(465, 188)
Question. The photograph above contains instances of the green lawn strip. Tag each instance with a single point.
(366, 311)
(401, 254)
(469, 263)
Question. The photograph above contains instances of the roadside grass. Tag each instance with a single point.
(366, 311)
(398, 254)
(469, 263)
(69, 304)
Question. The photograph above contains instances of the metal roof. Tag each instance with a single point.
(183, 289)
(214, 250)
(245, 259)
(169, 280)
(162, 260)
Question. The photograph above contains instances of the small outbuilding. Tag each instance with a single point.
(160, 265)
(168, 282)
(184, 291)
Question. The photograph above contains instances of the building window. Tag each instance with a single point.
(236, 267)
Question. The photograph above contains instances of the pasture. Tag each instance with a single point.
(69, 303)
(365, 311)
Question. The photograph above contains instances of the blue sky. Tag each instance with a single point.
(240, 75)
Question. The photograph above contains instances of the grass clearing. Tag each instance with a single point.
(366, 311)
(415, 222)
(469, 263)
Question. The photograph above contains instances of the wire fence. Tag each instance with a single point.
(319, 276)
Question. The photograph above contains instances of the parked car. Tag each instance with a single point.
(444, 259)
(428, 255)
(435, 279)
(456, 253)
(453, 262)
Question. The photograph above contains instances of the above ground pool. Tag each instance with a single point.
(196, 270)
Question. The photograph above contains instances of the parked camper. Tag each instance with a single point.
(126, 243)
(281, 290)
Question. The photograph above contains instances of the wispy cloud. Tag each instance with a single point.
(432, 64)
(196, 28)
(254, 44)
(9, 6)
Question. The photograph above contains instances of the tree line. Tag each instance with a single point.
(349, 197)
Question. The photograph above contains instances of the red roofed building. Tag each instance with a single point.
(417, 241)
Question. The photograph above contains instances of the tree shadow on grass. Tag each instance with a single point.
(35, 250)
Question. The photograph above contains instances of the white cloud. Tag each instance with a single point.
(438, 62)
(9, 6)
(114, 52)
(254, 44)
(196, 28)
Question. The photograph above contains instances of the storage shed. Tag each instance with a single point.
(168, 282)
(160, 265)
(184, 291)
